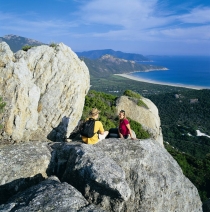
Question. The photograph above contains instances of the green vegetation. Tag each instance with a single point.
(132, 94)
(136, 98)
(137, 128)
(26, 48)
(53, 44)
(197, 170)
(116, 85)
(2, 105)
(106, 104)
(180, 119)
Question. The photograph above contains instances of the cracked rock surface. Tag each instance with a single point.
(126, 175)
(44, 90)
(116, 175)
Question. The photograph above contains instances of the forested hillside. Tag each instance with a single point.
(116, 85)
(196, 170)
(181, 115)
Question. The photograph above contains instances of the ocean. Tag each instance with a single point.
(183, 70)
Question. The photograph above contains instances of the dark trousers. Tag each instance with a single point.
(113, 133)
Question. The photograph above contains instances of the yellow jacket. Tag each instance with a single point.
(98, 128)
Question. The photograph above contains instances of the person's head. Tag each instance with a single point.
(94, 113)
(122, 114)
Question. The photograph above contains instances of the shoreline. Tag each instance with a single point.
(149, 70)
(161, 83)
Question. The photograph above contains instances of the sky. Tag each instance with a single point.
(148, 27)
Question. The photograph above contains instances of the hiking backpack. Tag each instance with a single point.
(87, 128)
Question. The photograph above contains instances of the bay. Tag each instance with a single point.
(183, 70)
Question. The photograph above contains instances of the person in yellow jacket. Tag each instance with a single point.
(100, 134)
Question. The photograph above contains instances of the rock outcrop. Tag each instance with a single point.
(22, 165)
(44, 89)
(49, 195)
(127, 175)
(147, 117)
(113, 175)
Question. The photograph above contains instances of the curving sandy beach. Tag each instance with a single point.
(161, 83)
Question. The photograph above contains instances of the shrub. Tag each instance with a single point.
(105, 103)
(135, 97)
(132, 94)
(26, 48)
(53, 44)
(138, 129)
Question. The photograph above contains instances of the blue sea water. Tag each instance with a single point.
(183, 70)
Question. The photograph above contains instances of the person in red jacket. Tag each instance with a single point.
(124, 128)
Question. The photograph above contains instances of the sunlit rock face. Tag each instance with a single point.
(148, 116)
(44, 89)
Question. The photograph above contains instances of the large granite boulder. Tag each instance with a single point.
(95, 169)
(148, 116)
(21, 166)
(44, 90)
(126, 175)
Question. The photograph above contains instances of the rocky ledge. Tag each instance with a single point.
(113, 175)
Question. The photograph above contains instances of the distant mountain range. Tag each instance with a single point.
(108, 64)
(17, 42)
(100, 63)
(95, 54)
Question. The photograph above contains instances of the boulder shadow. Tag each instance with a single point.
(10, 189)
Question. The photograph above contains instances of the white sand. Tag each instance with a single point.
(161, 83)
(199, 133)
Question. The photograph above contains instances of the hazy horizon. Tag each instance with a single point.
(155, 27)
